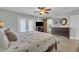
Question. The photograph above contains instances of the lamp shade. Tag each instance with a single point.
(1, 24)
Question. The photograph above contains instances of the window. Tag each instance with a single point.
(22, 24)
(25, 25)
(30, 25)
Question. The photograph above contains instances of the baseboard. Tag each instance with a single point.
(74, 38)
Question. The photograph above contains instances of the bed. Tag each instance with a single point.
(32, 41)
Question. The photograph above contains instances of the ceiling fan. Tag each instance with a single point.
(43, 10)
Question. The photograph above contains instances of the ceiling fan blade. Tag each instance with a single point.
(47, 9)
(36, 11)
(46, 12)
(41, 8)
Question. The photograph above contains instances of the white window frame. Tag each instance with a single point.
(20, 19)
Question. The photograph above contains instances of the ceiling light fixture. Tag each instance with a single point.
(43, 10)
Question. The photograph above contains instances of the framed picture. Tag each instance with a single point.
(56, 22)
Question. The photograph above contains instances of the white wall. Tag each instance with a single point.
(10, 19)
(50, 22)
(49, 25)
(74, 25)
(62, 16)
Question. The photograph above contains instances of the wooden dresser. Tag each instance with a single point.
(60, 31)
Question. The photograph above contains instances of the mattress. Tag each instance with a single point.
(32, 41)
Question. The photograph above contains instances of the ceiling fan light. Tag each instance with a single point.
(43, 10)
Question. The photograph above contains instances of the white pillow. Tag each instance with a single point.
(3, 40)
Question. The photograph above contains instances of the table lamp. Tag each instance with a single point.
(1, 24)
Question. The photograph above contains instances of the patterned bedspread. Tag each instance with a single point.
(32, 42)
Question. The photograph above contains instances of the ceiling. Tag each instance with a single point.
(55, 11)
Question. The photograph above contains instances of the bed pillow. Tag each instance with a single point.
(11, 35)
(3, 40)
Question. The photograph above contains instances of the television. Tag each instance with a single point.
(39, 23)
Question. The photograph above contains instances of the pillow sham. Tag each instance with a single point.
(11, 35)
(3, 40)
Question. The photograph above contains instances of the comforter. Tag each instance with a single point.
(31, 42)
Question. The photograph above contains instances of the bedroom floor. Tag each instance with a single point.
(67, 45)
